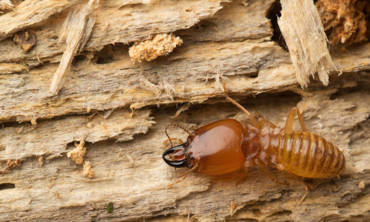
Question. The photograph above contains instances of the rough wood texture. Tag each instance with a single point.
(306, 40)
(123, 177)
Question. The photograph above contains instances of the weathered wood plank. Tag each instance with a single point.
(139, 189)
(131, 22)
(50, 138)
(186, 76)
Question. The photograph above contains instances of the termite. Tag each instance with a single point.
(226, 146)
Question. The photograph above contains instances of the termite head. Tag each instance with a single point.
(213, 149)
(175, 156)
(178, 156)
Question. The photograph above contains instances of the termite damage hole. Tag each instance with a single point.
(345, 22)
(273, 13)
(5, 186)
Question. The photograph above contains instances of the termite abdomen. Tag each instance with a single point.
(306, 154)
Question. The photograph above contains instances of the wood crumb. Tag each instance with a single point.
(345, 22)
(25, 39)
(11, 164)
(41, 161)
(78, 153)
(33, 122)
(2, 147)
(5, 5)
(87, 170)
(361, 185)
(160, 45)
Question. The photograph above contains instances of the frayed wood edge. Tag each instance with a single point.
(29, 13)
(301, 27)
(76, 32)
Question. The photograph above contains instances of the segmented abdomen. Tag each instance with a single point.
(305, 154)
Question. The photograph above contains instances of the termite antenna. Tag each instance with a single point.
(228, 98)
(175, 125)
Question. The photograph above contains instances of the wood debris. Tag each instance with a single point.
(87, 170)
(78, 153)
(5, 5)
(148, 50)
(10, 165)
(308, 53)
(25, 39)
(77, 30)
(361, 185)
(29, 13)
(345, 22)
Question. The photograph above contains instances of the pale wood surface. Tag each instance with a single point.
(223, 42)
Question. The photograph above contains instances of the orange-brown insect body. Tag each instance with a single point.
(225, 146)
(301, 153)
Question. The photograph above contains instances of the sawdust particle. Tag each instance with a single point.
(78, 153)
(33, 122)
(87, 170)
(5, 5)
(11, 164)
(361, 185)
(160, 45)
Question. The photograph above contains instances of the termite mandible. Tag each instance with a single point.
(226, 146)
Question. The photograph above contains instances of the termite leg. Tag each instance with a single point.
(267, 172)
(308, 187)
(169, 138)
(266, 122)
(253, 119)
(175, 125)
(290, 120)
(307, 190)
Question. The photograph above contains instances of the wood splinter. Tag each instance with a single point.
(77, 30)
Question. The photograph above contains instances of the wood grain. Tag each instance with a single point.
(224, 42)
